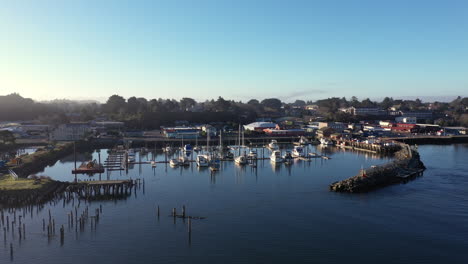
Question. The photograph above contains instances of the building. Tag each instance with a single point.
(181, 132)
(259, 126)
(363, 111)
(405, 128)
(419, 115)
(455, 131)
(285, 132)
(406, 119)
(337, 126)
(71, 131)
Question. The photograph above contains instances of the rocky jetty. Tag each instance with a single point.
(407, 164)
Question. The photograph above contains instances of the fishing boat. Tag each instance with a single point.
(273, 144)
(174, 162)
(298, 151)
(288, 158)
(202, 161)
(276, 157)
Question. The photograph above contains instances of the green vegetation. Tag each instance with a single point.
(9, 183)
(142, 113)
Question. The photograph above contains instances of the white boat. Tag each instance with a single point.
(153, 163)
(131, 155)
(184, 161)
(202, 161)
(298, 151)
(273, 144)
(167, 149)
(174, 162)
(197, 148)
(252, 154)
(276, 156)
(325, 142)
(288, 158)
(241, 160)
(303, 141)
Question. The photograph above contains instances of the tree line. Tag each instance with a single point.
(139, 112)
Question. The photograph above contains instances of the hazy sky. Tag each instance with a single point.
(237, 49)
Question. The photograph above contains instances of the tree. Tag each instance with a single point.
(132, 105)
(186, 103)
(387, 103)
(7, 137)
(253, 102)
(272, 103)
(114, 104)
(299, 103)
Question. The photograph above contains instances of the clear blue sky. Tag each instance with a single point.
(237, 49)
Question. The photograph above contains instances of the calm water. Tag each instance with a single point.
(269, 215)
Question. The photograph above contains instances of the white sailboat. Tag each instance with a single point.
(276, 156)
(240, 159)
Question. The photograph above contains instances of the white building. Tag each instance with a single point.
(259, 126)
(406, 119)
(363, 111)
(72, 131)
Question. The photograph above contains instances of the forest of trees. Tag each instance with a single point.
(140, 112)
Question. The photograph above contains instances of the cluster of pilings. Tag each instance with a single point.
(103, 190)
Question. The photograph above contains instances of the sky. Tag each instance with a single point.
(237, 49)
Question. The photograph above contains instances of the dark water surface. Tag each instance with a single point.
(268, 215)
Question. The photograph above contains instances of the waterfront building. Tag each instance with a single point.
(260, 126)
(285, 132)
(181, 132)
(71, 131)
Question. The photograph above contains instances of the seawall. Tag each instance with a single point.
(407, 164)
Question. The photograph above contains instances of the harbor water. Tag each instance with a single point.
(268, 214)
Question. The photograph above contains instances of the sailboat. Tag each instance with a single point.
(241, 159)
(196, 148)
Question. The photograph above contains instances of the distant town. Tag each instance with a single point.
(62, 120)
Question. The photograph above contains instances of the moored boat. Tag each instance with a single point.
(276, 157)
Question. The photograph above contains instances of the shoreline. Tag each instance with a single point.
(407, 165)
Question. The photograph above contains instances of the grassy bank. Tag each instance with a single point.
(22, 192)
